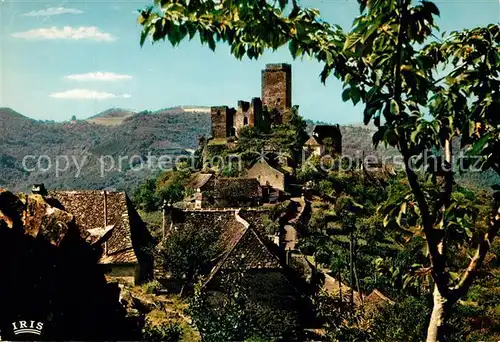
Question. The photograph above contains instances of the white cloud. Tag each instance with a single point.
(86, 94)
(53, 11)
(67, 32)
(98, 76)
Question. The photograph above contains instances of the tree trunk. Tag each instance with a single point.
(436, 327)
(340, 287)
(351, 269)
(357, 283)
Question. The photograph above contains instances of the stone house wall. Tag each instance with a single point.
(267, 175)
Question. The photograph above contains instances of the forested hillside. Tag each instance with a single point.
(123, 133)
(164, 132)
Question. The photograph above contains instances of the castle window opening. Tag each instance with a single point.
(245, 121)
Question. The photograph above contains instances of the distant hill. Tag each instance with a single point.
(161, 133)
(111, 117)
(116, 116)
(10, 113)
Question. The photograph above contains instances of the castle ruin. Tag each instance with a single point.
(271, 110)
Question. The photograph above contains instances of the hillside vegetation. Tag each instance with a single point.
(119, 132)
(165, 132)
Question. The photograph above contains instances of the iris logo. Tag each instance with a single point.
(27, 327)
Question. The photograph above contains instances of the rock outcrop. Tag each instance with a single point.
(49, 274)
(32, 215)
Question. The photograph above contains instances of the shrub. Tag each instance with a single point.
(151, 287)
(165, 332)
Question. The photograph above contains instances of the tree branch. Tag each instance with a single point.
(476, 262)
(445, 196)
(451, 72)
(434, 240)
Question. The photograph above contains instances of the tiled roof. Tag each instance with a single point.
(102, 217)
(256, 218)
(312, 141)
(274, 162)
(250, 252)
(198, 180)
(223, 222)
(233, 188)
(122, 257)
(376, 299)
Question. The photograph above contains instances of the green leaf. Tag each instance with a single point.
(346, 94)
(355, 95)
(362, 6)
(472, 128)
(413, 135)
(329, 57)
(394, 107)
(144, 34)
(479, 145)
(468, 232)
(403, 207)
(293, 47)
(386, 220)
(431, 7)
(373, 27)
(398, 218)
(368, 113)
(352, 39)
(454, 275)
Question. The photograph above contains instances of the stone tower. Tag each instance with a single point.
(222, 121)
(277, 89)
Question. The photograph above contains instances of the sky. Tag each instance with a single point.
(65, 58)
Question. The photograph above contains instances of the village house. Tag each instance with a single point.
(108, 221)
(254, 264)
(273, 178)
(246, 252)
(325, 139)
(211, 191)
(268, 176)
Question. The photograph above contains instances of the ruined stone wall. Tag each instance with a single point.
(277, 89)
(242, 115)
(249, 114)
(260, 118)
(222, 121)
